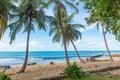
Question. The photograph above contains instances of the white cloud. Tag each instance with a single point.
(110, 41)
(32, 44)
(78, 41)
(101, 43)
(2, 44)
(87, 28)
(92, 43)
(56, 44)
(22, 44)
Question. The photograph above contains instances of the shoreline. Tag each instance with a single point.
(17, 58)
(35, 72)
(105, 58)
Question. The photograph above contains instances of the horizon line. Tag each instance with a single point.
(58, 50)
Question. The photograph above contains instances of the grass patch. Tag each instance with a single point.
(100, 76)
(74, 72)
(97, 76)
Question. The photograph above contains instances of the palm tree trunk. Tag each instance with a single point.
(77, 51)
(103, 31)
(27, 49)
(66, 52)
(63, 38)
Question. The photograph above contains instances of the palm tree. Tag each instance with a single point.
(98, 14)
(105, 41)
(60, 11)
(70, 32)
(73, 33)
(58, 24)
(100, 21)
(28, 14)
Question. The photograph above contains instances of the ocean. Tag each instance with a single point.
(44, 57)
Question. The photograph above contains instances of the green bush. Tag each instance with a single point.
(3, 76)
(73, 72)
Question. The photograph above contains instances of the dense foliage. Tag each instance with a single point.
(73, 72)
(107, 12)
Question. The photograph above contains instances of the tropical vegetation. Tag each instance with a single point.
(28, 15)
(60, 12)
(98, 16)
(73, 72)
(70, 31)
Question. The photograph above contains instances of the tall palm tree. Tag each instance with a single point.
(70, 32)
(73, 33)
(58, 24)
(98, 14)
(59, 14)
(28, 14)
(100, 21)
(60, 11)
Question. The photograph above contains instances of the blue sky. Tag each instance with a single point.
(92, 39)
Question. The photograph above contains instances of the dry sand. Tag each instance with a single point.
(35, 72)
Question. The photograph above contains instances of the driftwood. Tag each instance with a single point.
(104, 69)
(32, 63)
(91, 71)
(52, 78)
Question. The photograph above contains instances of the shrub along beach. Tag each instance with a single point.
(58, 19)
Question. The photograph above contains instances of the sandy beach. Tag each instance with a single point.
(35, 72)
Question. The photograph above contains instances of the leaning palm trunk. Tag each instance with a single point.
(27, 49)
(63, 37)
(106, 43)
(76, 51)
(66, 52)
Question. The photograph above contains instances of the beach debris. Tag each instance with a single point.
(34, 63)
(52, 63)
(104, 69)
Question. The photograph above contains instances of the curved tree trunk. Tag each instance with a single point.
(63, 37)
(103, 31)
(27, 49)
(77, 51)
(66, 52)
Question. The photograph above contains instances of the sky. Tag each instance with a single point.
(92, 39)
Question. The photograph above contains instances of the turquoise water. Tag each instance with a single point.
(14, 58)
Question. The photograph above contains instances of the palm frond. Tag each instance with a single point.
(14, 29)
(62, 7)
(57, 37)
(77, 26)
(72, 6)
(52, 31)
(45, 5)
